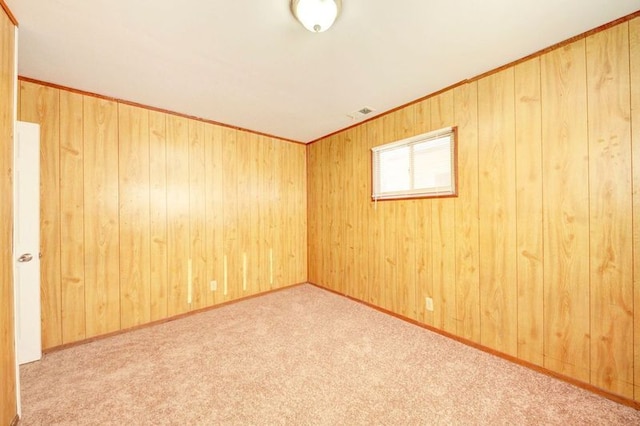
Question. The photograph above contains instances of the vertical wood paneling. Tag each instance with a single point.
(253, 265)
(158, 255)
(543, 235)
(467, 279)
(197, 215)
(566, 211)
(41, 105)
(177, 214)
(277, 265)
(350, 219)
(8, 407)
(634, 49)
(322, 216)
(140, 193)
(497, 212)
(292, 201)
(424, 247)
(405, 292)
(610, 201)
(325, 216)
(336, 157)
(265, 165)
(529, 211)
(364, 212)
(332, 276)
(443, 233)
(526, 142)
(134, 193)
(214, 209)
(301, 202)
(314, 189)
(388, 212)
(101, 239)
(232, 249)
(245, 205)
(298, 205)
(72, 216)
(259, 275)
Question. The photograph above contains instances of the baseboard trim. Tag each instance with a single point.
(15, 421)
(165, 320)
(586, 386)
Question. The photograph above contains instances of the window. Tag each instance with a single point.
(421, 166)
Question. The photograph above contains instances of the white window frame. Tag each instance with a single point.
(448, 188)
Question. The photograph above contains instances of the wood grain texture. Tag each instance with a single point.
(40, 104)
(467, 279)
(529, 237)
(424, 231)
(101, 238)
(214, 209)
(634, 58)
(160, 189)
(364, 212)
(318, 217)
(327, 218)
(610, 206)
(528, 277)
(443, 232)
(405, 225)
(388, 213)
(178, 244)
(266, 182)
(72, 217)
(231, 247)
(134, 195)
(314, 189)
(350, 219)
(566, 211)
(8, 407)
(253, 270)
(246, 202)
(277, 247)
(297, 187)
(197, 215)
(336, 222)
(158, 250)
(497, 212)
(405, 292)
(294, 203)
(394, 214)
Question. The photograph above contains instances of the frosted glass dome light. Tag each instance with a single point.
(316, 15)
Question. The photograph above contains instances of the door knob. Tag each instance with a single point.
(25, 257)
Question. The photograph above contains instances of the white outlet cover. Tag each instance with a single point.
(429, 303)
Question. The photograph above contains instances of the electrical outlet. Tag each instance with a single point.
(214, 285)
(429, 304)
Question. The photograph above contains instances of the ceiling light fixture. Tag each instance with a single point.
(316, 15)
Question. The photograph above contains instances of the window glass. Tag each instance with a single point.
(421, 166)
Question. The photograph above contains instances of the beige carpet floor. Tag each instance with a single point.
(301, 356)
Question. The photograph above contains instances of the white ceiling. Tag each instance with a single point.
(250, 64)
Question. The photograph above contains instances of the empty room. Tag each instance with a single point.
(319, 212)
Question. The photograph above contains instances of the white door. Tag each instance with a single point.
(26, 241)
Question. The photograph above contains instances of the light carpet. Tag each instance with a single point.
(300, 356)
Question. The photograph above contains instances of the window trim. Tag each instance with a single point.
(413, 140)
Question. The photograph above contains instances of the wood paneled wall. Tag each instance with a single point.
(539, 255)
(8, 407)
(141, 210)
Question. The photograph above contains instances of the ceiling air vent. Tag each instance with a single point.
(361, 113)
